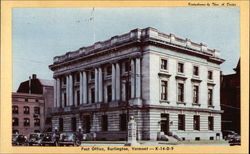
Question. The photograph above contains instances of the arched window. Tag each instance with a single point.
(15, 109)
(15, 121)
(26, 110)
(26, 122)
(37, 122)
(15, 131)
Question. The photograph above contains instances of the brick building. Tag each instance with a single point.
(230, 100)
(169, 84)
(32, 105)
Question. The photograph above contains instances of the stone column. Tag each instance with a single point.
(118, 82)
(67, 90)
(85, 96)
(81, 88)
(100, 88)
(71, 90)
(113, 82)
(132, 76)
(55, 93)
(58, 92)
(138, 78)
(96, 85)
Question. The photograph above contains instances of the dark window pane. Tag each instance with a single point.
(181, 122)
(196, 122)
(164, 64)
(123, 122)
(104, 123)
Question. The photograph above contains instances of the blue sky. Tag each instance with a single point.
(39, 34)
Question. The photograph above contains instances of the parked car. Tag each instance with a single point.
(68, 138)
(227, 134)
(35, 138)
(14, 138)
(48, 139)
(234, 140)
(20, 140)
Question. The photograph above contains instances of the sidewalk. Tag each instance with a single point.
(157, 143)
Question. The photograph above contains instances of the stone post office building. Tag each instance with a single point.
(169, 84)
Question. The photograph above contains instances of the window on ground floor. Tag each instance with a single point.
(73, 124)
(60, 124)
(104, 123)
(123, 122)
(15, 131)
(181, 122)
(210, 123)
(196, 122)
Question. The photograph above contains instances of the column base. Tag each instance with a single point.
(135, 102)
(132, 143)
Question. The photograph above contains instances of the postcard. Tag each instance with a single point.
(124, 76)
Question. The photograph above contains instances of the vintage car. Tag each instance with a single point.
(68, 138)
(48, 139)
(227, 134)
(14, 138)
(35, 138)
(234, 140)
(19, 140)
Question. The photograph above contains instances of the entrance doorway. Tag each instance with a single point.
(165, 123)
(86, 124)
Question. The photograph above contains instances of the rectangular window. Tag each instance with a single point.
(65, 99)
(164, 64)
(210, 75)
(127, 90)
(196, 122)
(196, 94)
(123, 122)
(77, 77)
(164, 90)
(73, 124)
(180, 92)
(127, 66)
(181, 122)
(109, 93)
(104, 123)
(210, 97)
(78, 97)
(196, 70)
(60, 124)
(92, 95)
(37, 122)
(210, 123)
(109, 70)
(37, 110)
(64, 80)
(92, 75)
(180, 68)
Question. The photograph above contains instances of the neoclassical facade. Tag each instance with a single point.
(169, 84)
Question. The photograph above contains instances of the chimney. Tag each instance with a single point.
(29, 85)
(33, 76)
